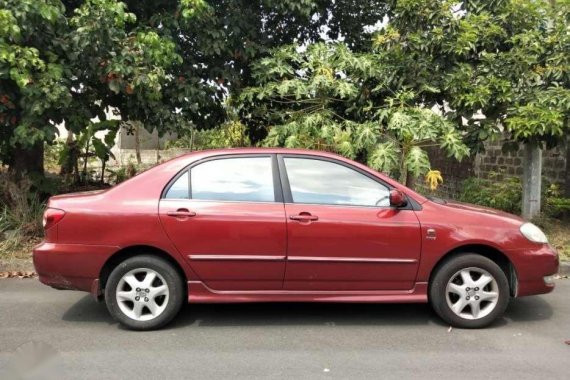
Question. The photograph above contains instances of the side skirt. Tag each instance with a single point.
(198, 292)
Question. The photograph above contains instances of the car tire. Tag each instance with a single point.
(469, 291)
(144, 292)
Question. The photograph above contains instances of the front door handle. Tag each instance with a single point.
(304, 217)
(181, 213)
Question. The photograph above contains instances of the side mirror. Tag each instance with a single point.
(397, 198)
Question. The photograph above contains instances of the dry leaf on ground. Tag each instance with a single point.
(18, 274)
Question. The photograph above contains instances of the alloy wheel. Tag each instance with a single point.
(472, 293)
(142, 294)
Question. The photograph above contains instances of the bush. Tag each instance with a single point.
(232, 134)
(504, 194)
(555, 205)
(122, 174)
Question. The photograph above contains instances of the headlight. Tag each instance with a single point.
(533, 233)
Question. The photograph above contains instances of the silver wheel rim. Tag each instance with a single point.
(472, 293)
(142, 294)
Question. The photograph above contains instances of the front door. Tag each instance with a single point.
(227, 219)
(342, 234)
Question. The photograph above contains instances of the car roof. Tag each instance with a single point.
(253, 150)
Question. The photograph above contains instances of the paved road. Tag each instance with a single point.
(281, 341)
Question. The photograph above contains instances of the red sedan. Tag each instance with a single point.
(251, 225)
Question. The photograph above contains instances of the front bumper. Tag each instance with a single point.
(532, 266)
(71, 266)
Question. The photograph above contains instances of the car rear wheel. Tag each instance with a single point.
(469, 291)
(144, 292)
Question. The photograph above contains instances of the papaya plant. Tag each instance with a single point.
(320, 98)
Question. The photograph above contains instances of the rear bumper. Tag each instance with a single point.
(71, 266)
(532, 266)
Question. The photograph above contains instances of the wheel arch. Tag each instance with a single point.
(487, 251)
(132, 251)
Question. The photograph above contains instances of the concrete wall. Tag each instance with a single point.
(148, 156)
(126, 138)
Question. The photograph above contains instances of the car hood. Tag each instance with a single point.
(482, 210)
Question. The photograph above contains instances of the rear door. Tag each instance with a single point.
(342, 233)
(226, 216)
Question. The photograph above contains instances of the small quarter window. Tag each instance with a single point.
(179, 189)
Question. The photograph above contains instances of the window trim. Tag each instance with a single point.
(277, 186)
(288, 196)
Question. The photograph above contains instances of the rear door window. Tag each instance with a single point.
(242, 179)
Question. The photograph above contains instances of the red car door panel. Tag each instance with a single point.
(351, 248)
(230, 245)
(342, 233)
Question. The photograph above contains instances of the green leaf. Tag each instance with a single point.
(417, 162)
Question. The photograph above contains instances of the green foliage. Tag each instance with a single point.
(505, 60)
(161, 63)
(556, 205)
(504, 194)
(231, 134)
(122, 173)
(440, 72)
(31, 72)
(320, 98)
(53, 155)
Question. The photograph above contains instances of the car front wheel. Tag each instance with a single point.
(144, 292)
(469, 291)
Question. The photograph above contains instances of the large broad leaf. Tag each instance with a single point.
(102, 151)
(367, 134)
(384, 157)
(452, 143)
(417, 161)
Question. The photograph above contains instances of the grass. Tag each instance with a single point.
(16, 253)
(21, 213)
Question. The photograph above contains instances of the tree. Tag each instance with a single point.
(324, 98)
(497, 67)
(32, 80)
(156, 62)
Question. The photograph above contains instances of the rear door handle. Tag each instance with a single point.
(181, 213)
(304, 217)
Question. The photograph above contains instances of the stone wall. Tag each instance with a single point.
(494, 161)
(452, 171)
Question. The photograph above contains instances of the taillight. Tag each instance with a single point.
(51, 217)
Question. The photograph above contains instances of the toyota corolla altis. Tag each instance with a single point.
(279, 225)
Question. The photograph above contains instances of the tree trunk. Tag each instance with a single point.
(69, 163)
(86, 158)
(158, 149)
(138, 143)
(192, 138)
(103, 162)
(28, 160)
(411, 181)
(567, 171)
(532, 180)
